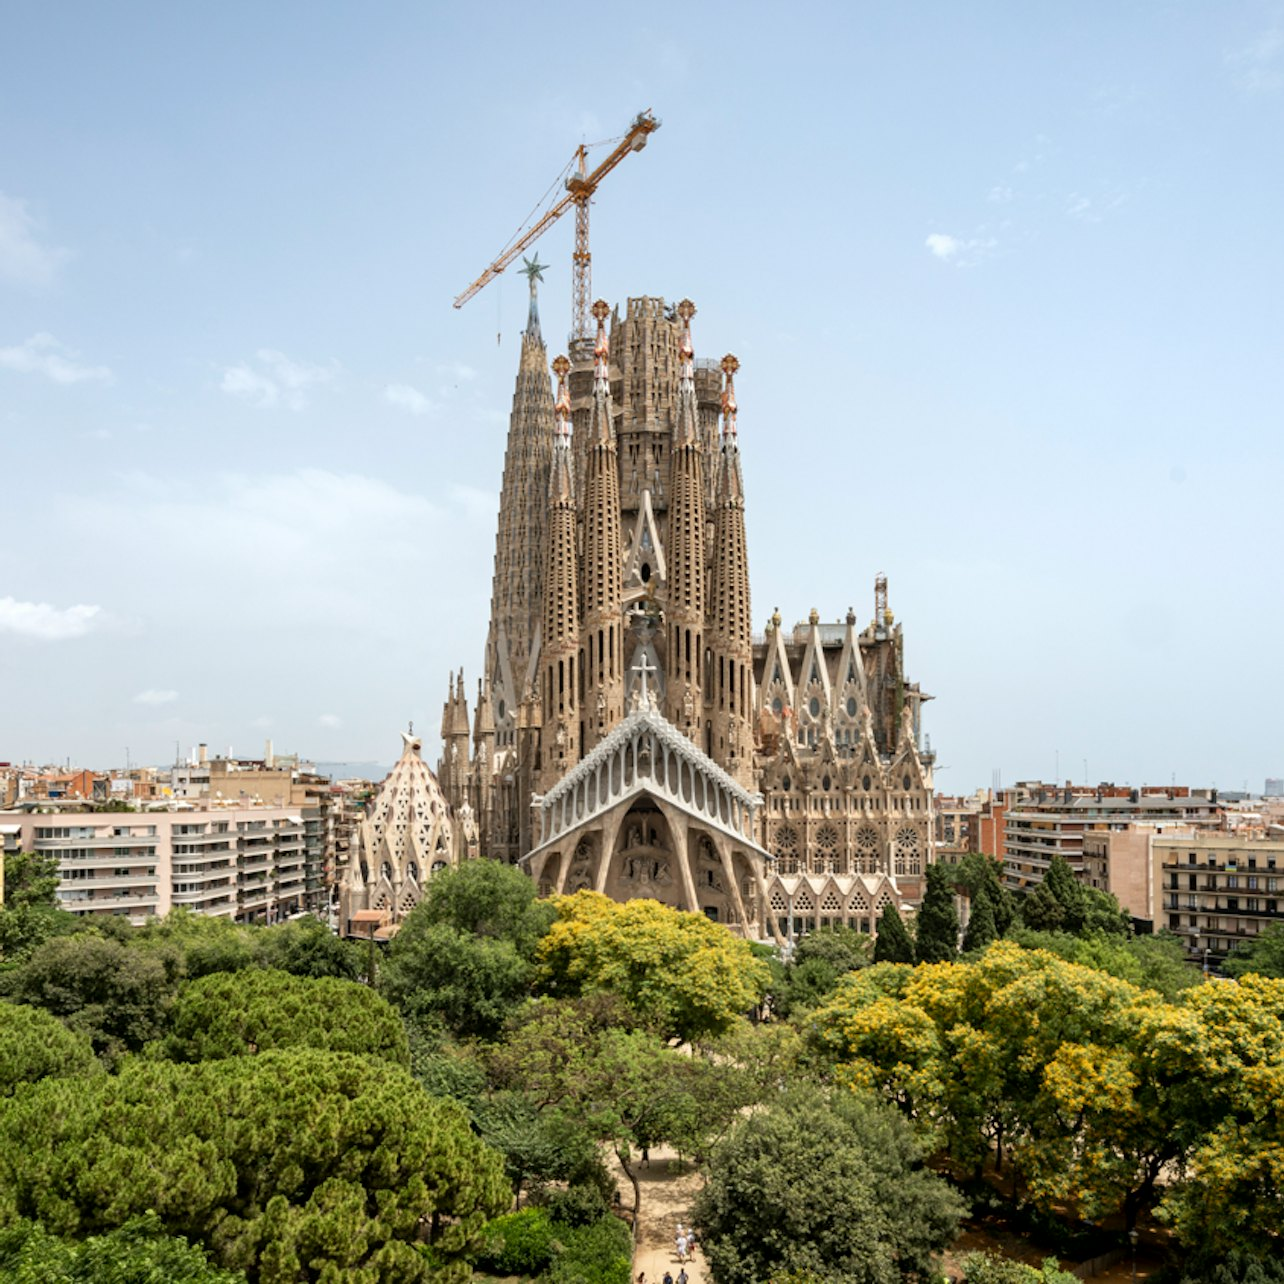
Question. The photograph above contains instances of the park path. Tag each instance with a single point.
(668, 1189)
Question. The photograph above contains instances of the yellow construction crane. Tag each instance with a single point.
(579, 188)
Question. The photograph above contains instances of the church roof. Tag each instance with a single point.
(408, 819)
(571, 803)
(648, 717)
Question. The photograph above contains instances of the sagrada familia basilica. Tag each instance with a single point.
(630, 733)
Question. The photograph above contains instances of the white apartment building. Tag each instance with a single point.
(246, 863)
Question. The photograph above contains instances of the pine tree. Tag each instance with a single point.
(981, 926)
(893, 944)
(938, 920)
(1068, 891)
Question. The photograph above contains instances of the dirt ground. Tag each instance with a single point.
(668, 1191)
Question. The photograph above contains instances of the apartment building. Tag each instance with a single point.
(251, 864)
(1044, 826)
(1219, 890)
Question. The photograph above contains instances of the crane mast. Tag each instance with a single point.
(579, 189)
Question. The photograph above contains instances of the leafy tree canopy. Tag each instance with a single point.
(489, 898)
(118, 996)
(1263, 955)
(844, 948)
(34, 1044)
(683, 975)
(138, 1253)
(294, 1166)
(831, 1185)
(444, 977)
(30, 913)
(231, 1014)
(986, 1268)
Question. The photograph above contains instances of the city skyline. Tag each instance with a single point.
(1002, 285)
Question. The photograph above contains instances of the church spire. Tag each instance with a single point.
(732, 628)
(533, 271)
(686, 558)
(517, 593)
(561, 599)
(601, 658)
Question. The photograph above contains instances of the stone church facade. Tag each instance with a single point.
(629, 732)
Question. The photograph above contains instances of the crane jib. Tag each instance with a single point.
(580, 188)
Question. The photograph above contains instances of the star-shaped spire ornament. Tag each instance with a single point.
(532, 269)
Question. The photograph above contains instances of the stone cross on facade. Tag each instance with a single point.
(642, 668)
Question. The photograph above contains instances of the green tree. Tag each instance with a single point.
(464, 958)
(893, 943)
(828, 1184)
(1236, 1168)
(307, 947)
(625, 1087)
(491, 899)
(232, 1014)
(294, 1166)
(1043, 912)
(34, 1045)
(936, 938)
(985, 1268)
(29, 914)
(845, 949)
(1264, 955)
(683, 975)
(138, 1253)
(116, 995)
(982, 931)
(982, 875)
(439, 975)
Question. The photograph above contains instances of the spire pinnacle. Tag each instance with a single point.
(601, 349)
(687, 432)
(561, 488)
(686, 310)
(533, 271)
(729, 367)
(562, 404)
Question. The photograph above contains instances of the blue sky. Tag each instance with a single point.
(1005, 281)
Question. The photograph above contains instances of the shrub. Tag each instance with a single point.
(518, 1243)
(578, 1205)
(598, 1254)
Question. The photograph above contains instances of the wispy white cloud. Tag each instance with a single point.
(22, 256)
(43, 354)
(1000, 194)
(1258, 67)
(457, 371)
(154, 695)
(331, 721)
(408, 398)
(275, 380)
(47, 623)
(943, 245)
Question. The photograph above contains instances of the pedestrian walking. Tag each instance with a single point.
(668, 1277)
(682, 1248)
(682, 1276)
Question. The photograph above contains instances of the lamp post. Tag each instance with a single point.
(1132, 1239)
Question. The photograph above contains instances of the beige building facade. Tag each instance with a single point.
(247, 864)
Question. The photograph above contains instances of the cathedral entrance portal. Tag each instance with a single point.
(644, 860)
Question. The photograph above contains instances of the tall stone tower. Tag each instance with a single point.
(517, 592)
